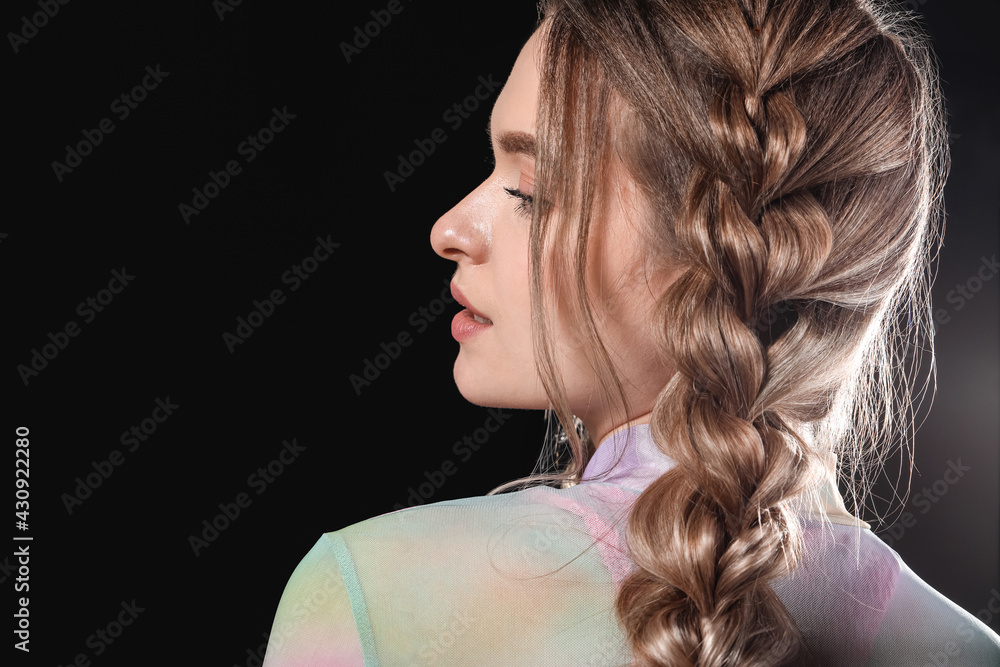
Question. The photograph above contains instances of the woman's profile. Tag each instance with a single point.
(708, 236)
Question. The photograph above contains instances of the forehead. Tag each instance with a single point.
(515, 107)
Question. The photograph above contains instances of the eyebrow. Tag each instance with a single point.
(513, 142)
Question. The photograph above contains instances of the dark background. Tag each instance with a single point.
(323, 176)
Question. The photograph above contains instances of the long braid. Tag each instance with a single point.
(783, 149)
(753, 237)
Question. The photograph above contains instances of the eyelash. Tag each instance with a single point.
(524, 207)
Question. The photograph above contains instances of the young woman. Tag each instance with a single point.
(708, 230)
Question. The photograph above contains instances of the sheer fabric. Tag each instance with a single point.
(529, 578)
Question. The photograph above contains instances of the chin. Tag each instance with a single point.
(490, 389)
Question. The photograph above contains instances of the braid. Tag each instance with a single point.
(753, 236)
(748, 246)
(782, 147)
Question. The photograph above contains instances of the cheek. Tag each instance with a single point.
(514, 291)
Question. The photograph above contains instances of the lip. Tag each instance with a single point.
(457, 293)
(464, 326)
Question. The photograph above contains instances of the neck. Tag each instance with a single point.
(601, 433)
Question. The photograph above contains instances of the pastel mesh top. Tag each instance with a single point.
(529, 579)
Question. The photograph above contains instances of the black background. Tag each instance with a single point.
(323, 176)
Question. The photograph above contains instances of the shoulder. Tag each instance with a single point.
(923, 627)
(856, 602)
(315, 620)
(478, 539)
(453, 581)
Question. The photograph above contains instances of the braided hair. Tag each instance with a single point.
(792, 155)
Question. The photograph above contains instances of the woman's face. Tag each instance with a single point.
(486, 235)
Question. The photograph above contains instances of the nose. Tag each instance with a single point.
(463, 234)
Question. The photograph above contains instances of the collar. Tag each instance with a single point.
(630, 458)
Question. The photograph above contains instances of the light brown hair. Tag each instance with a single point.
(793, 156)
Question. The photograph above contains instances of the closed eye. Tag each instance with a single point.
(524, 207)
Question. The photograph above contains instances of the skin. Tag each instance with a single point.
(487, 237)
